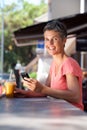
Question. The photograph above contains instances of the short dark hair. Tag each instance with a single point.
(57, 26)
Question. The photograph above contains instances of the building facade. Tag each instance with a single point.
(62, 8)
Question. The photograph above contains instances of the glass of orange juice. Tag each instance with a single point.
(9, 88)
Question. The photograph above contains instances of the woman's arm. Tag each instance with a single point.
(27, 93)
(72, 94)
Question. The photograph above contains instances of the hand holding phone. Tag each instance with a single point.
(24, 74)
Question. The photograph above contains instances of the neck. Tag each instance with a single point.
(59, 58)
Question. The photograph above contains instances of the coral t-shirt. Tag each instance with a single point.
(69, 66)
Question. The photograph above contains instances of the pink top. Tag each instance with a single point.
(59, 81)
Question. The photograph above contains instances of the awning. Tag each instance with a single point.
(76, 24)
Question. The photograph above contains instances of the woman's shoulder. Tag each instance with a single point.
(71, 65)
(71, 61)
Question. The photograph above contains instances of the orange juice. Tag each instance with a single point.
(9, 89)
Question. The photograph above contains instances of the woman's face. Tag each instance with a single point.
(53, 42)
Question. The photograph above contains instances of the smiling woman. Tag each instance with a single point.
(64, 80)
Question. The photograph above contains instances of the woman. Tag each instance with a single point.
(65, 76)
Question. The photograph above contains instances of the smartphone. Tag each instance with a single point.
(24, 74)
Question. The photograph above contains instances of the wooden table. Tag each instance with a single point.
(40, 114)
